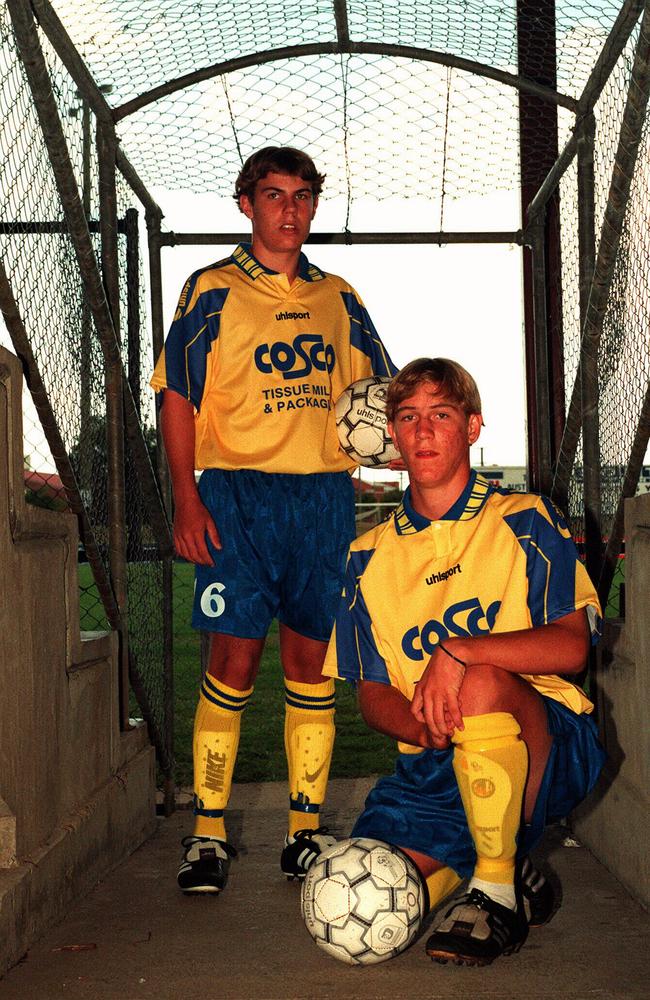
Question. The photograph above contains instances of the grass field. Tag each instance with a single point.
(358, 751)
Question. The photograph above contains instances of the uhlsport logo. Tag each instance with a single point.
(443, 575)
(462, 619)
(291, 315)
(295, 360)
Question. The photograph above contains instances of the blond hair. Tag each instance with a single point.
(448, 377)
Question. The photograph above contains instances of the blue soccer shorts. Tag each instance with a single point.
(285, 541)
(419, 806)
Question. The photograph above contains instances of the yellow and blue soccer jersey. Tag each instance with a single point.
(498, 561)
(263, 361)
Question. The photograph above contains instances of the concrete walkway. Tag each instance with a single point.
(136, 937)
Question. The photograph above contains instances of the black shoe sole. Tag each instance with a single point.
(542, 923)
(443, 957)
(543, 920)
(201, 892)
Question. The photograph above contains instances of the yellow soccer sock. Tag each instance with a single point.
(441, 884)
(216, 738)
(491, 766)
(308, 742)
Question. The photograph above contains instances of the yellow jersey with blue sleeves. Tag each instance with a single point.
(498, 561)
(263, 362)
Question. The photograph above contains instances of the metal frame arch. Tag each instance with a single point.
(344, 47)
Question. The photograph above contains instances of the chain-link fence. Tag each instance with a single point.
(605, 307)
(425, 107)
(95, 420)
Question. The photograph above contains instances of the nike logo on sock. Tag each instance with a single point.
(311, 778)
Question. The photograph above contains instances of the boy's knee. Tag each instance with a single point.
(485, 688)
(235, 661)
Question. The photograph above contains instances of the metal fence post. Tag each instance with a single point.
(542, 471)
(134, 373)
(106, 145)
(134, 511)
(588, 366)
(153, 219)
(538, 144)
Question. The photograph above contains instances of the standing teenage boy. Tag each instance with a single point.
(261, 345)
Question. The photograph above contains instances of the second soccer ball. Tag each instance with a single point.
(362, 424)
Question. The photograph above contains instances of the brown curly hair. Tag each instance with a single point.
(277, 160)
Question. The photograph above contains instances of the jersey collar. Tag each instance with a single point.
(467, 506)
(245, 260)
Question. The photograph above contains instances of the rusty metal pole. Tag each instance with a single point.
(153, 219)
(589, 392)
(587, 374)
(106, 146)
(85, 353)
(133, 321)
(539, 359)
(541, 266)
(153, 216)
(135, 513)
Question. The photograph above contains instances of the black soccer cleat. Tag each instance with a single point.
(205, 864)
(302, 849)
(475, 930)
(537, 893)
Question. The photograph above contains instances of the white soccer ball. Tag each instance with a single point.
(362, 901)
(361, 422)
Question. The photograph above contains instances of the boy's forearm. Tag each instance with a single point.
(561, 647)
(177, 424)
(385, 709)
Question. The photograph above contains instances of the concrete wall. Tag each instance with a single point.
(76, 794)
(615, 822)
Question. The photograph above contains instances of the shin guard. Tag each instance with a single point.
(491, 766)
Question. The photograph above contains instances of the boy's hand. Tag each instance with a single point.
(436, 701)
(192, 523)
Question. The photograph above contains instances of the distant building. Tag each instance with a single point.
(510, 477)
(515, 477)
(373, 487)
